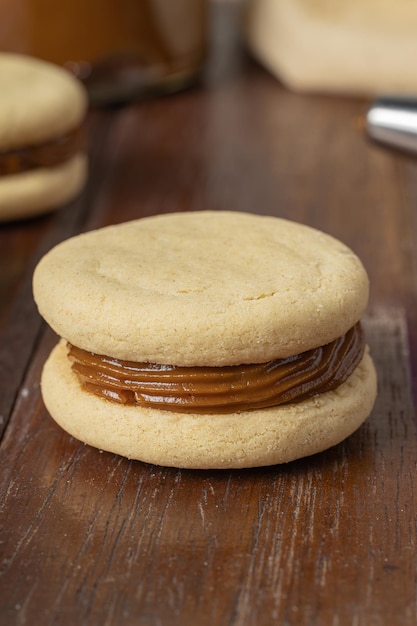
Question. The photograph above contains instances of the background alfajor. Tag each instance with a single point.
(43, 164)
(203, 289)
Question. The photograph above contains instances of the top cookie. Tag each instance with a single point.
(201, 288)
(39, 101)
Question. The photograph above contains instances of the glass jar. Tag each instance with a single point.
(120, 49)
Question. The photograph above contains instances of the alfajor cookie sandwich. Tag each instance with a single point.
(43, 163)
(206, 339)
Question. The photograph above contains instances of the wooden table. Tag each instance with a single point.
(89, 538)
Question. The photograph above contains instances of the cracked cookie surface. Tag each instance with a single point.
(201, 288)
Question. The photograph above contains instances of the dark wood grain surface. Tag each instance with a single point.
(89, 538)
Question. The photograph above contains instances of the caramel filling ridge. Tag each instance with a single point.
(47, 154)
(220, 389)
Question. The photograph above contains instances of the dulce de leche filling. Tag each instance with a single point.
(220, 389)
(46, 154)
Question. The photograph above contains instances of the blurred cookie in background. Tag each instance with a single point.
(43, 163)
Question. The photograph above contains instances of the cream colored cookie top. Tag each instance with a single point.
(201, 288)
(39, 101)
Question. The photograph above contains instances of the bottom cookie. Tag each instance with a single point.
(41, 190)
(236, 440)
